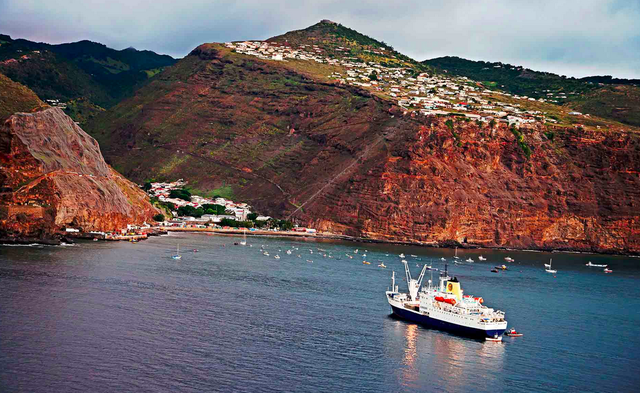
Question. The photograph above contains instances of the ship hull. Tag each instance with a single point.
(446, 326)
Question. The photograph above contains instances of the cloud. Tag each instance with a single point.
(572, 37)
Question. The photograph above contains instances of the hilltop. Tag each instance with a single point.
(300, 127)
(336, 41)
(86, 74)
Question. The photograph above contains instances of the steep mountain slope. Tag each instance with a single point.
(279, 135)
(84, 69)
(615, 99)
(52, 176)
(227, 121)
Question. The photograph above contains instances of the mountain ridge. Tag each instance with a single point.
(82, 70)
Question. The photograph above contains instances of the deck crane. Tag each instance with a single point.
(414, 285)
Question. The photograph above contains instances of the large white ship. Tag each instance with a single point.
(445, 307)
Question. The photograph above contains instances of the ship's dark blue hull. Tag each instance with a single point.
(446, 326)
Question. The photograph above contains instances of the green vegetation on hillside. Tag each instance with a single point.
(15, 97)
(180, 194)
(617, 102)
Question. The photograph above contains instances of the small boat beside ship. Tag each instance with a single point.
(513, 333)
(445, 307)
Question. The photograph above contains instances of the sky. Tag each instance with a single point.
(568, 37)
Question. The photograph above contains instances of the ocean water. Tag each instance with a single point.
(105, 317)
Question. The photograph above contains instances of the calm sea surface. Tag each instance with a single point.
(107, 317)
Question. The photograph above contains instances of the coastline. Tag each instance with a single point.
(334, 236)
(156, 231)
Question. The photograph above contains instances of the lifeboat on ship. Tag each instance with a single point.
(445, 300)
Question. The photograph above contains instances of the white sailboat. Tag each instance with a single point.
(177, 256)
(481, 258)
(548, 267)
(456, 254)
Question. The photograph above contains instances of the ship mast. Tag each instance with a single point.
(444, 276)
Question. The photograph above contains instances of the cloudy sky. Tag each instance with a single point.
(569, 37)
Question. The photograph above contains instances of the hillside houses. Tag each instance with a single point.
(162, 191)
(429, 95)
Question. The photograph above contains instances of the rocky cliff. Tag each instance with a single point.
(466, 184)
(344, 160)
(52, 176)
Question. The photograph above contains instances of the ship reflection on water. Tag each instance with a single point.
(441, 359)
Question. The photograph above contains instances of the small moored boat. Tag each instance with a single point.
(512, 333)
(548, 267)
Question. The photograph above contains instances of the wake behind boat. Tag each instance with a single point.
(177, 255)
(446, 307)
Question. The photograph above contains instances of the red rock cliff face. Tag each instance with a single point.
(53, 176)
(475, 185)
